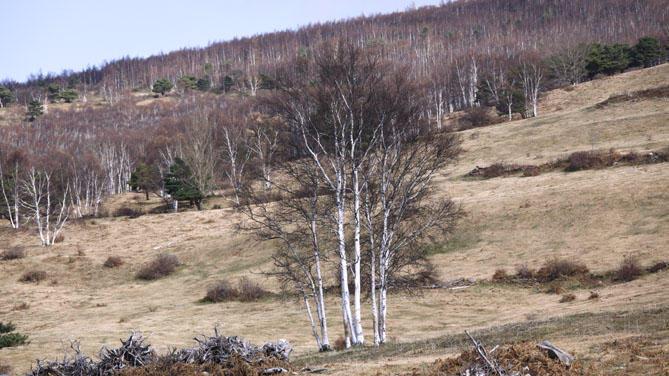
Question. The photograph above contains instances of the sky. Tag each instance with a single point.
(50, 35)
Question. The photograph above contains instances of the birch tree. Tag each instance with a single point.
(531, 74)
(299, 222)
(398, 217)
(47, 200)
(10, 186)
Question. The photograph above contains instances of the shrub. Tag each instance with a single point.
(13, 254)
(59, 238)
(340, 344)
(478, 117)
(161, 209)
(221, 291)
(568, 298)
(113, 262)
(500, 275)
(494, 170)
(163, 265)
(250, 291)
(33, 276)
(125, 211)
(554, 269)
(629, 269)
(531, 171)
(582, 160)
(593, 295)
(9, 339)
(524, 271)
(657, 267)
(555, 289)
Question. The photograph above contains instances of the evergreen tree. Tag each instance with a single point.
(179, 183)
(607, 59)
(162, 86)
(188, 82)
(203, 84)
(35, 109)
(69, 95)
(6, 96)
(145, 178)
(9, 339)
(647, 53)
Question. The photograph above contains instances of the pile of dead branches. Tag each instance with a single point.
(217, 354)
(516, 359)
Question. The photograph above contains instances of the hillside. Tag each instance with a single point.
(593, 216)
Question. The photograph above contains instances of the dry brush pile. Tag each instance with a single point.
(216, 355)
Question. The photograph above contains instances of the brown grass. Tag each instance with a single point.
(59, 238)
(163, 265)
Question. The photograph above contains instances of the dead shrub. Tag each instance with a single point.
(163, 265)
(20, 306)
(524, 271)
(125, 211)
(250, 291)
(629, 269)
(593, 295)
(583, 160)
(162, 209)
(59, 238)
(13, 253)
(500, 275)
(221, 291)
(478, 117)
(494, 170)
(34, 276)
(657, 267)
(568, 298)
(555, 289)
(339, 344)
(113, 262)
(531, 171)
(554, 269)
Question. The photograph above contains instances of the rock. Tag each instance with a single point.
(554, 353)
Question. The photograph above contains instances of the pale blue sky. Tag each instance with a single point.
(51, 35)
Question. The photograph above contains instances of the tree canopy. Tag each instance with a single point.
(162, 86)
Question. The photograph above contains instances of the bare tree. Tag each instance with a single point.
(199, 150)
(10, 185)
(398, 217)
(531, 73)
(46, 199)
(299, 222)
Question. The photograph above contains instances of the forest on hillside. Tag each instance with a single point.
(351, 112)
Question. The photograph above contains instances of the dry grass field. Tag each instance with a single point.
(595, 217)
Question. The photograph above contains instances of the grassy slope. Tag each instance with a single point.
(595, 216)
